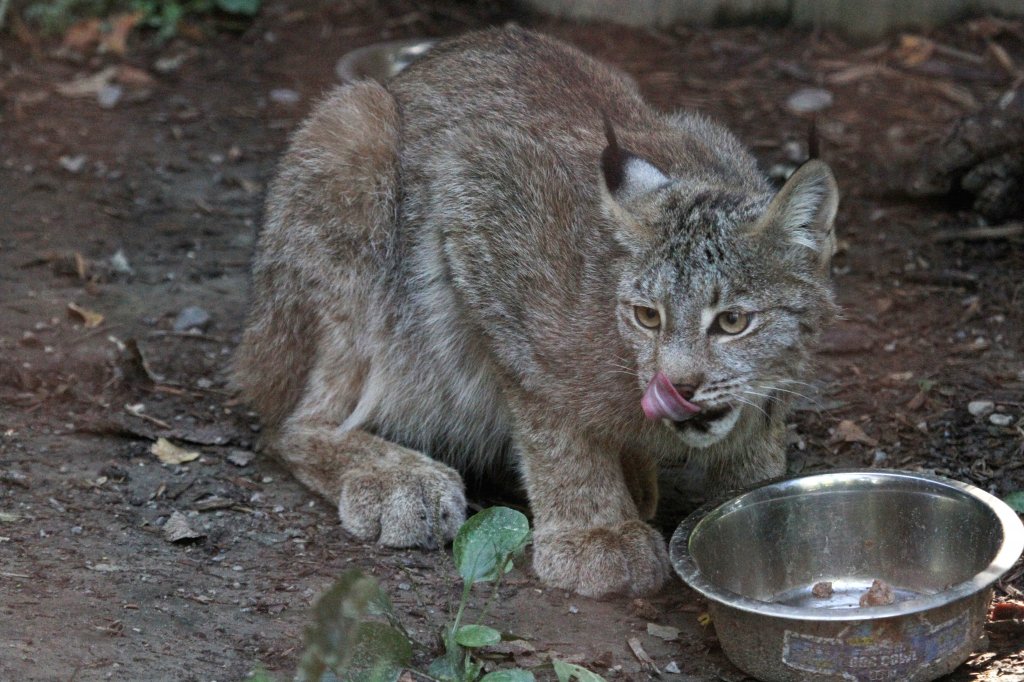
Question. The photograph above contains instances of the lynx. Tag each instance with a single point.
(505, 256)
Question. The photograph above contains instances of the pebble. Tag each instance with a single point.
(167, 65)
(672, 668)
(241, 458)
(72, 164)
(880, 458)
(980, 408)
(809, 100)
(1001, 419)
(119, 263)
(192, 317)
(109, 95)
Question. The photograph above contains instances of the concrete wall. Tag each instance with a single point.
(857, 18)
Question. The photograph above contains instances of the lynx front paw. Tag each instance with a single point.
(418, 504)
(627, 558)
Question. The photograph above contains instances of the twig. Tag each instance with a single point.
(977, 234)
(152, 420)
(187, 335)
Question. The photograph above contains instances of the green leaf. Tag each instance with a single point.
(485, 542)
(332, 637)
(1016, 501)
(511, 675)
(473, 636)
(381, 654)
(566, 672)
(445, 669)
(246, 7)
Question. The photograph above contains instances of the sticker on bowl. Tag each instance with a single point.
(875, 651)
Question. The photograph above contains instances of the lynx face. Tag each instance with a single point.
(721, 292)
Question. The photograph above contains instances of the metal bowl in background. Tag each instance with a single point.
(380, 61)
(939, 543)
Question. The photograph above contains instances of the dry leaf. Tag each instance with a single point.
(914, 50)
(83, 34)
(169, 453)
(88, 86)
(176, 529)
(89, 318)
(665, 632)
(133, 77)
(116, 39)
(849, 432)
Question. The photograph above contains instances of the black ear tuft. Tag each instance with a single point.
(613, 160)
(626, 175)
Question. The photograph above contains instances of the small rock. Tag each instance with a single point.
(176, 529)
(794, 151)
(167, 65)
(241, 458)
(809, 100)
(981, 408)
(11, 477)
(1001, 419)
(665, 632)
(880, 458)
(405, 587)
(573, 608)
(192, 317)
(72, 164)
(119, 263)
(109, 95)
(284, 96)
(672, 668)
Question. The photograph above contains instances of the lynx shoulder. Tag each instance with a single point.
(504, 255)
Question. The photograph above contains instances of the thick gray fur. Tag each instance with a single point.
(445, 274)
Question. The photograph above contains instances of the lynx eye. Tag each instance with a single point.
(730, 322)
(649, 318)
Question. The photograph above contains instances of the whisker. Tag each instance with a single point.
(769, 396)
(808, 398)
(747, 402)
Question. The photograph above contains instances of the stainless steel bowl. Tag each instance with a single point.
(380, 61)
(939, 543)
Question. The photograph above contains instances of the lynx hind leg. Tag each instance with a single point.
(329, 215)
(306, 355)
(385, 493)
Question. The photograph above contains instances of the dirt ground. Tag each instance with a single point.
(171, 175)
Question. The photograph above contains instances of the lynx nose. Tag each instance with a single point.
(688, 385)
(686, 390)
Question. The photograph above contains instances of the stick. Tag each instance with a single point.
(977, 234)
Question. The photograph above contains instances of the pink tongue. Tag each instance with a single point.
(662, 400)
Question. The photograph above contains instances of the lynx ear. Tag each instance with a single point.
(626, 178)
(804, 210)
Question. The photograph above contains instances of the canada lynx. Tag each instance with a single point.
(504, 252)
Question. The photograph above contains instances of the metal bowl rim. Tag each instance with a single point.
(1009, 550)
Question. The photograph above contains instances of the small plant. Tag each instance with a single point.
(356, 637)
